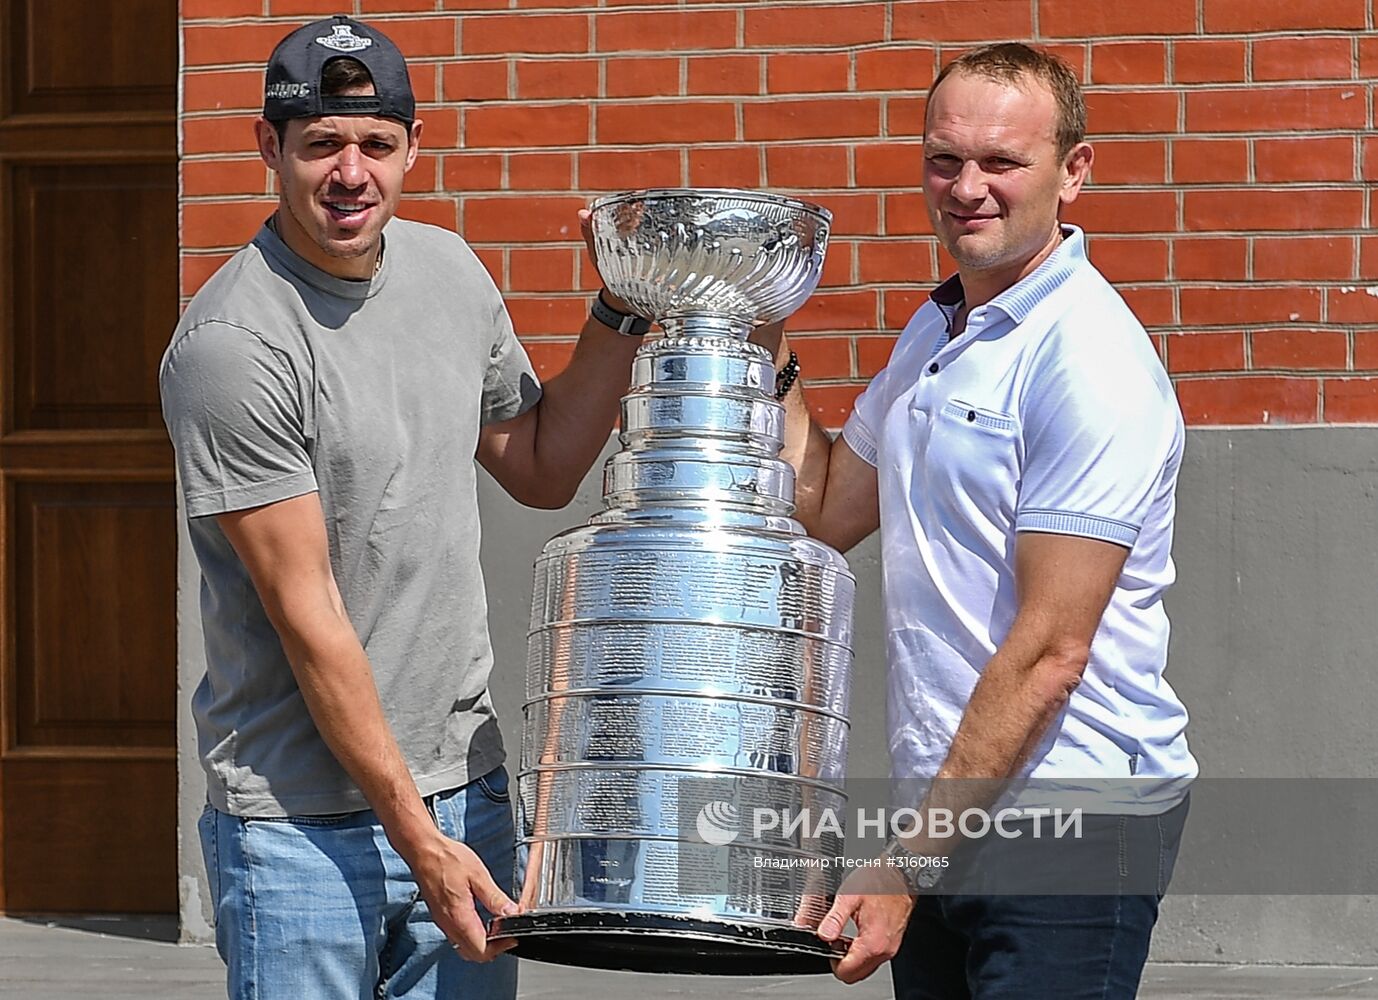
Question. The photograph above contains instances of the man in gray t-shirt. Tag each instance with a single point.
(327, 393)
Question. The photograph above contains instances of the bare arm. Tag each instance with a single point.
(541, 456)
(1064, 584)
(283, 546)
(836, 493)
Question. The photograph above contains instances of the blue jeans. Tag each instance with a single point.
(322, 907)
(1047, 947)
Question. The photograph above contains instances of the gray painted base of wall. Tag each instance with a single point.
(1275, 627)
(1275, 619)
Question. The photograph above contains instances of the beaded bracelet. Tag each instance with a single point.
(787, 376)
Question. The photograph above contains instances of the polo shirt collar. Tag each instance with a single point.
(1019, 299)
(949, 294)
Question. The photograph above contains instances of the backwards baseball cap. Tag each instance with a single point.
(292, 88)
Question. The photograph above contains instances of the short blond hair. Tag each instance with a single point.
(1015, 62)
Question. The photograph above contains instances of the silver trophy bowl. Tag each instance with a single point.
(710, 261)
(689, 655)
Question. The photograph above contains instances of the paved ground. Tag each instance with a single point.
(133, 960)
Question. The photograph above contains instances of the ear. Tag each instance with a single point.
(1077, 167)
(413, 143)
(266, 135)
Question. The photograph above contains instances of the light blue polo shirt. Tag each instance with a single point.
(1050, 412)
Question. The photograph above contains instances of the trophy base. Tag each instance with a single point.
(679, 945)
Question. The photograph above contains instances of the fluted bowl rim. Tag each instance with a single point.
(746, 194)
(658, 297)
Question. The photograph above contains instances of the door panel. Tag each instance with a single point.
(73, 854)
(90, 560)
(86, 351)
(88, 298)
(84, 56)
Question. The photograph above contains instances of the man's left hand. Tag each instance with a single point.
(878, 901)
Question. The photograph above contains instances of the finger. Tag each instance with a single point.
(768, 336)
(490, 894)
(586, 231)
(872, 947)
(498, 947)
(865, 955)
(855, 974)
(857, 964)
(467, 933)
(830, 928)
(811, 910)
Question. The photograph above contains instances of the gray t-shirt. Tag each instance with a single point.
(282, 380)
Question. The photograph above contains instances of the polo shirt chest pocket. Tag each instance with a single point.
(973, 459)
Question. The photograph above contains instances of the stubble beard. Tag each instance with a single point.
(348, 253)
(966, 256)
(977, 258)
(327, 246)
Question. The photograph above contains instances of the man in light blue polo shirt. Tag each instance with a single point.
(1019, 454)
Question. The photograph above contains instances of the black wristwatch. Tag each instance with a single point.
(627, 324)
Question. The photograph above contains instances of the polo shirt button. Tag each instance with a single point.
(933, 368)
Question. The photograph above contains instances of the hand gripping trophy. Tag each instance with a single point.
(690, 648)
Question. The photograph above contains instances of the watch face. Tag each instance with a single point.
(927, 878)
(921, 876)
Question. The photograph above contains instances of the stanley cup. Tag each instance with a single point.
(690, 647)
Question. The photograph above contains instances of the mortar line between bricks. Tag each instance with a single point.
(1148, 86)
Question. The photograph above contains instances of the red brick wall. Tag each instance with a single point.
(1229, 199)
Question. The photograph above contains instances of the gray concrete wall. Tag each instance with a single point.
(193, 891)
(1275, 627)
(1274, 617)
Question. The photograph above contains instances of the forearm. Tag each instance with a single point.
(578, 410)
(807, 445)
(1020, 692)
(285, 548)
(335, 679)
(808, 448)
(336, 682)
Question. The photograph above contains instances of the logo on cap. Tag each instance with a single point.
(343, 39)
(286, 91)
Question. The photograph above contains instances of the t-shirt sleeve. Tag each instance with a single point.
(233, 410)
(510, 385)
(1097, 440)
(859, 430)
(916, 342)
(862, 428)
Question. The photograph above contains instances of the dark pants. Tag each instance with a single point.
(1046, 947)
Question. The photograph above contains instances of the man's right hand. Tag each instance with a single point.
(586, 230)
(452, 879)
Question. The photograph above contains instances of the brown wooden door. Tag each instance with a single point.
(88, 298)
